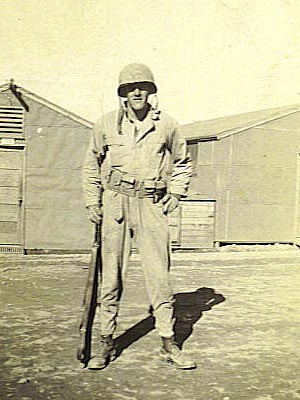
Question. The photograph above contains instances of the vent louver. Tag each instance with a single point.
(11, 120)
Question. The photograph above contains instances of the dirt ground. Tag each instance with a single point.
(237, 316)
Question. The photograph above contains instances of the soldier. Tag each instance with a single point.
(128, 160)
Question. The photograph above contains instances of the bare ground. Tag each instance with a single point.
(237, 316)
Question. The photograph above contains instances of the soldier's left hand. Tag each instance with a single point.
(170, 202)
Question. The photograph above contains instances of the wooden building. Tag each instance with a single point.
(245, 188)
(250, 165)
(42, 147)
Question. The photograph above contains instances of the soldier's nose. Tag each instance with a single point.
(137, 92)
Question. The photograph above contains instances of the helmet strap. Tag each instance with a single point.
(121, 113)
(154, 104)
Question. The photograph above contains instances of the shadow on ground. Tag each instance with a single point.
(188, 309)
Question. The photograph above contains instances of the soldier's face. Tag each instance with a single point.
(137, 96)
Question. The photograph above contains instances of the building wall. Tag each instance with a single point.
(11, 173)
(262, 185)
(253, 176)
(55, 216)
(11, 218)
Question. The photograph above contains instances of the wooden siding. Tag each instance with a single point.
(11, 171)
(192, 224)
(174, 220)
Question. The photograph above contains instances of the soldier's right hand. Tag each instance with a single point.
(95, 214)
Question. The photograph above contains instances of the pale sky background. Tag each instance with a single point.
(210, 58)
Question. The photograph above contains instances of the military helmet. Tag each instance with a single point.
(134, 73)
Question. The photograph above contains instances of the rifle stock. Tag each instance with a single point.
(89, 304)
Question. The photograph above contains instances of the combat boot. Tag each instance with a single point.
(171, 353)
(105, 353)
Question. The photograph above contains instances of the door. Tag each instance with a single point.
(11, 201)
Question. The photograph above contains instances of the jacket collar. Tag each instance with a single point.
(146, 126)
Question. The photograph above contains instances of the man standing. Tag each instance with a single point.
(137, 161)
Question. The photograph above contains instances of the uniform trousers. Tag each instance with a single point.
(122, 216)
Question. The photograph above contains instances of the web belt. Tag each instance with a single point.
(130, 186)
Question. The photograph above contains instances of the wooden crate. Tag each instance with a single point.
(192, 225)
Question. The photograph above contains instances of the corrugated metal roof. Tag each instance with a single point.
(215, 129)
(47, 103)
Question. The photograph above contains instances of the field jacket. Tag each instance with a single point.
(155, 150)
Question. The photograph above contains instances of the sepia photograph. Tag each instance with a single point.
(150, 200)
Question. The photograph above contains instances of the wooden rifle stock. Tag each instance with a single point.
(89, 303)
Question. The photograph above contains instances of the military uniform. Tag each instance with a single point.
(138, 162)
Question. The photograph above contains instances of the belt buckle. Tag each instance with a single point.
(114, 178)
(128, 186)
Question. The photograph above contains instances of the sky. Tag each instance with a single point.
(210, 58)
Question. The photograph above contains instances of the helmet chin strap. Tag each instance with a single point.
(121, 113)
(154, 104)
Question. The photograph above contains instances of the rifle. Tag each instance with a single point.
(89, 303)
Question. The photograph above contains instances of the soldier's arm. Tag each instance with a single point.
(91, 181)
(182, 168)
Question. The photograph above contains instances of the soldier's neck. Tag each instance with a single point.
(138, 115)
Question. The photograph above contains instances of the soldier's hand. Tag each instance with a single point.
(170, 202)
(95, 214)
